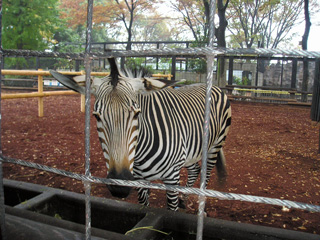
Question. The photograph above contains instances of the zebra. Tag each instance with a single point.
(152, 135)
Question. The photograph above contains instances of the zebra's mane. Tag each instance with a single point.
(136, 72)
(127, 73)
(139, 77)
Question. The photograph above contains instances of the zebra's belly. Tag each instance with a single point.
(191, 160)
(160, 169)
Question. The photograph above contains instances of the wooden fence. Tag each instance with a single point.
(40, 94)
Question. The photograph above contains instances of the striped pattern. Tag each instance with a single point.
(117, 118)
(156, 134)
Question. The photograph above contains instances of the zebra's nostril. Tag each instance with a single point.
(119, 191)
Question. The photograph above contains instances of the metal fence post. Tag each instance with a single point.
(2, 211)
(206, 124)
(87, 60)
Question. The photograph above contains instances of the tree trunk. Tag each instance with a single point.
(307, 26)
(305, 47)
(220, 34)
(223, 23)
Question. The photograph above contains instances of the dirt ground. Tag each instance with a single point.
(271, 151)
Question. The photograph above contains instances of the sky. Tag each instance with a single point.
(314, 36)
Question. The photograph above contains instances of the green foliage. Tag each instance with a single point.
(238, 81)
(198, 65)
(137, 66)
(187, 82)
(28, 25)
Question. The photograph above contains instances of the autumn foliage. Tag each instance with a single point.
(75, 12)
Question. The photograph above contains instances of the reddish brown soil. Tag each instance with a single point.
(271, 151)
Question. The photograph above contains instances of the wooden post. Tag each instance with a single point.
(83, 103)
(40, 91)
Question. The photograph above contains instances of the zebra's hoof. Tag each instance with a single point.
(181, 204)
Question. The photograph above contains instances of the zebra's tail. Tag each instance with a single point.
(221, 168)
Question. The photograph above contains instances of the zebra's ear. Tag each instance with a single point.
(157, 84)
(72, 82)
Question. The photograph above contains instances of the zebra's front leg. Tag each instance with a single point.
(173, 200)
(143, 196)
(172, 196)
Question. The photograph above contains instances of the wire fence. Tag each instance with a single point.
(210, 53)
(188, 191)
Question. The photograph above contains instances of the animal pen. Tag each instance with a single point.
(205, 229)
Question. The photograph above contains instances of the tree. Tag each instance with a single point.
(128, 11)
(29, 24)
(307, 25)
(195, 15)
(305, 47)
(220, 34)
(74, 13)
(220, 31)
(266, 21)
(151, 28)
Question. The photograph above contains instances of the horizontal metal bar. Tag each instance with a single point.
(184, 190)
(194, 52)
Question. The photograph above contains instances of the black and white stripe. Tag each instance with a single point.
(152, 135)
(170, 134)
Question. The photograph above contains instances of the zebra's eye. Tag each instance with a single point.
(136, 110)
(97, 116)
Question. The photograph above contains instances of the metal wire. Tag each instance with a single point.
(184, 190)
(2, 207)
(87, 60)
(210, 52)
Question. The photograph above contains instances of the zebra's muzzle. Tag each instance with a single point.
(119, 191)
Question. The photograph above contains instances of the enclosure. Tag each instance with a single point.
(291, 162)
(271, 151)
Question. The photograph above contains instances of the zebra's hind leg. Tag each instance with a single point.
(143, 196)
(216, 158)
(193, 173)
(221, 168)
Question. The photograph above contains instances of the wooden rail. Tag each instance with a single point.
(40, 94)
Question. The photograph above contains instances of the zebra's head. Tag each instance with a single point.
(117, 111)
